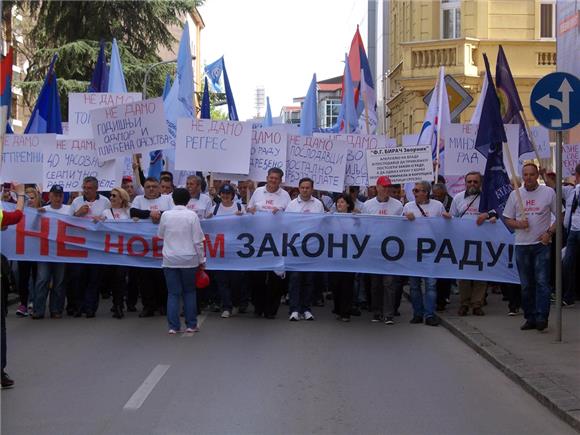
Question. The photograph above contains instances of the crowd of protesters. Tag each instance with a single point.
(76, 288)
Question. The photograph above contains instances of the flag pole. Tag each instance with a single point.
(364, 95)
(514, 178)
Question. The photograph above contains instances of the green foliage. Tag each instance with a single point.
(73, 29)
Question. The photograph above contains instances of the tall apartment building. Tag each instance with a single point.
(413, 38)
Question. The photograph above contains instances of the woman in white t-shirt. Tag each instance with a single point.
(119, 211)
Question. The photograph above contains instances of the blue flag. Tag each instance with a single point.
(6, 86)
(116, 76)
(45, 117)
(232, 112)
(308, 114)
(205, 104)
(350, 113)
(214, 72)
(100, 79)
(510, 101)
(167, 86)
(268, 115)
(491, 130)
(496, 186)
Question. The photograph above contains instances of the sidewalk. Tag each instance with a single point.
(548, 370)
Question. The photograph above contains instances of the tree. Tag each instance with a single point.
(74, 29)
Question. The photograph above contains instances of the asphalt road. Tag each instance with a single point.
(256, 376)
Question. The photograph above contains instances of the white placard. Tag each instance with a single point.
(356, 159)
(268, 150)
(570, 158)
(81, 104)
(319, 158)
(410, 140)
(541, 137)
(461, 156)
(400, 164)
(214, 146)
(131, 128)
(71, 160)
(23, 155)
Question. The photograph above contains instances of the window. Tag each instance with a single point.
(330, 112)
(450, 19)
(547, 19)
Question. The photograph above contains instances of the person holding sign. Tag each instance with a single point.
(423, 306)
(88, 276)
(151, 205)
(465, 205)
(534, 233)
(572, 224)
(301, 284)
(384, 288)
(199, 202)
(268, 286)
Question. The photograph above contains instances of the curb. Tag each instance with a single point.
(561, 402)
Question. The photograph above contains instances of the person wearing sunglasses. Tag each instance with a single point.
(465, 205)
(424, 207)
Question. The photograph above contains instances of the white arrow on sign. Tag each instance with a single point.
(562, 105)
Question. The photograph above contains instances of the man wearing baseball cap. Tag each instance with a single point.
(384, 288)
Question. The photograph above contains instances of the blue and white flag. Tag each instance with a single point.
(214, 72)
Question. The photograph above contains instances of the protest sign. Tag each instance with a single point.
(23, 155)
(71, 160)
(410, 140)
(211, 145)
(461, 156)
(268, 150)
(400, 164)
(80, 106)
(131, 128)
(570, 158)
(320, 158)
(434, 247)
(356, 158)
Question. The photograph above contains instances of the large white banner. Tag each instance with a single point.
(22, 157)
(80, 106)
(131, 128)
(71, 160)
(400, 164)
(214, 146)
(320, 158)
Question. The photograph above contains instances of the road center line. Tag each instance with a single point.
(146, 387)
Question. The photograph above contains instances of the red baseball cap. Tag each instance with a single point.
(384, 181)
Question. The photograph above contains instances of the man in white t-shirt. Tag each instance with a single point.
(465, 205)
(152, 203)
(51, 271)
(534, 233)
(384, 288)
(423, 207)
(301, 284)
(87, 277)
(572, 224)
(199, 202)
(267, 287)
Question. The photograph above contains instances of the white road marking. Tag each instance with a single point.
(200, 319)
(146, 387)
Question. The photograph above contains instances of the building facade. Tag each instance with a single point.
(415, 37)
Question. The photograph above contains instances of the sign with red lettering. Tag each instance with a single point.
(22, 157)
(570, 158)
(131, 128)
(211, 145)
(81, 104)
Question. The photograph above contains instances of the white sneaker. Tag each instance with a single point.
(226, 314)
(294, 317)
(308, 315)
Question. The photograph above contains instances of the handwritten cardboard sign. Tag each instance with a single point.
(23, 155)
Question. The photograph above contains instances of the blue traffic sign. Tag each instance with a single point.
(555, 101)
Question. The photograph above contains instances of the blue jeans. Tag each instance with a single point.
(568, 263)
(533, 263)
(423, 306)
(181, 282)
(300, 286)
(45, 272)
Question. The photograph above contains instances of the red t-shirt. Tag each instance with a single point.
(11, 217)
